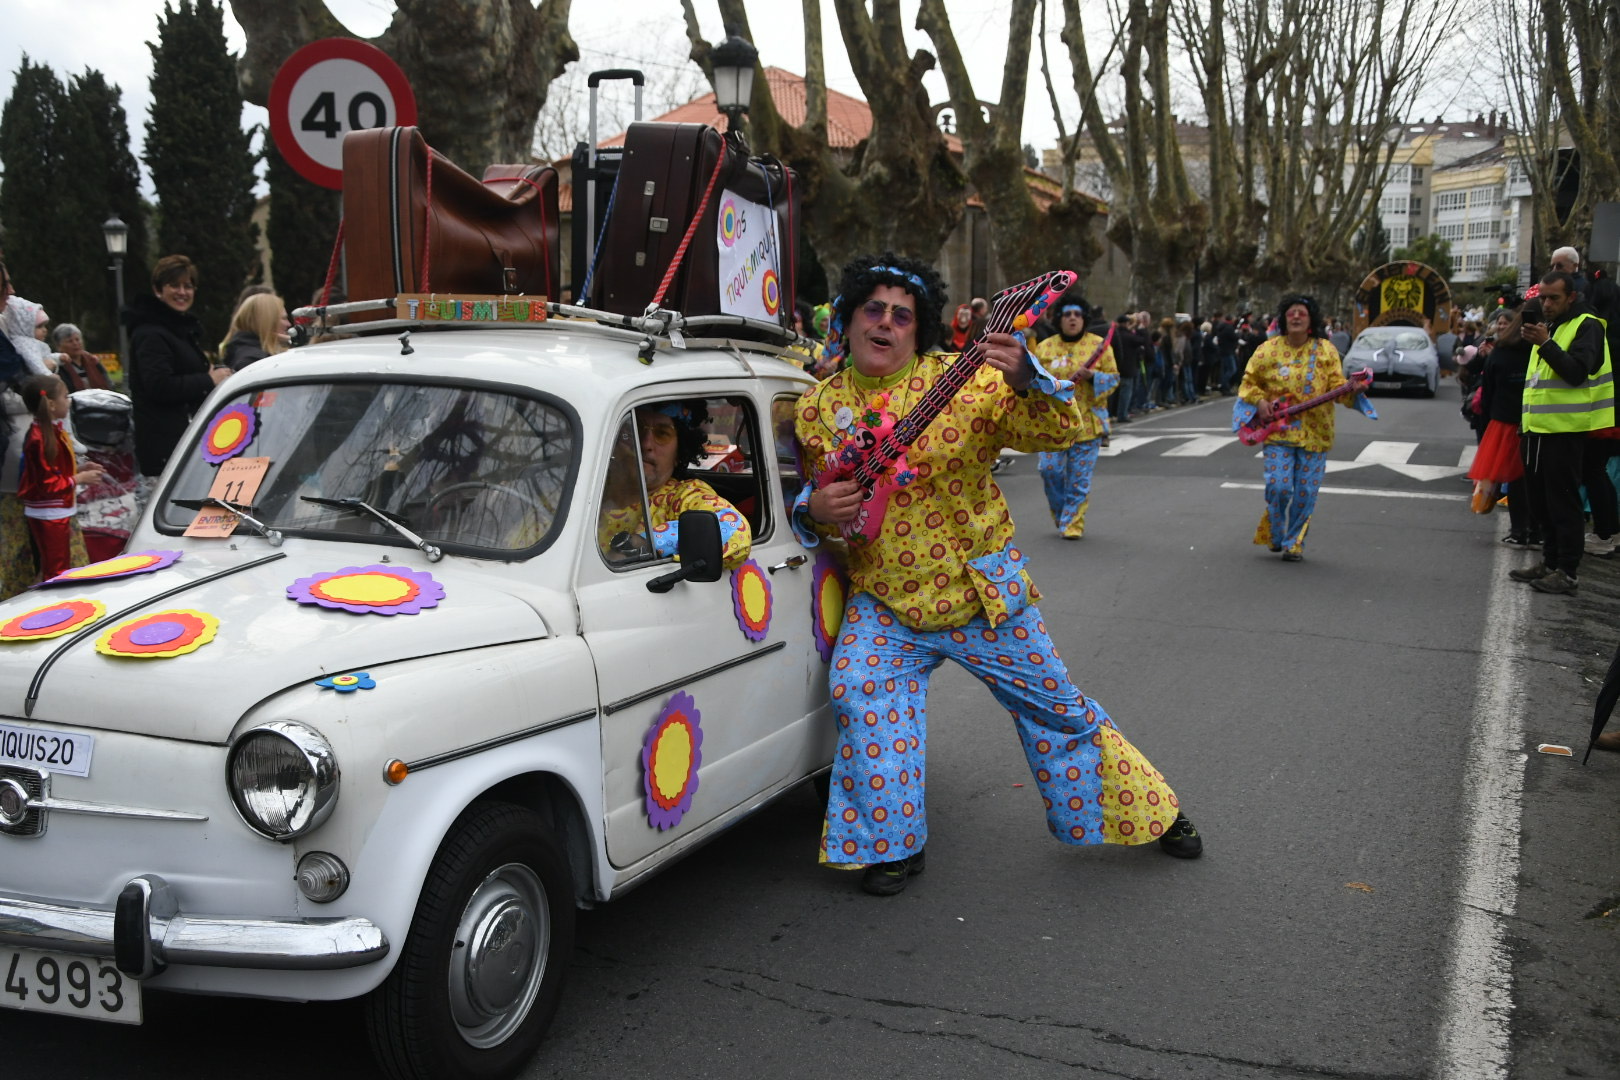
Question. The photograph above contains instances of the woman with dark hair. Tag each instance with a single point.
(670, 438)
(941, 577)
(1501, 400)
(1299, 363)
(169, 376)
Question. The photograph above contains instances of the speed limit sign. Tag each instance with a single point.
(327, 89)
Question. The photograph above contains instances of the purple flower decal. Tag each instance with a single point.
(380, 589)
(670, 757)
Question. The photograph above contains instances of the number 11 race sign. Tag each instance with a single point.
(328, 89)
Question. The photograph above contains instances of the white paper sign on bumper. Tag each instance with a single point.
(747, 244)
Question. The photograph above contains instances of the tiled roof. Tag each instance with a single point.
(848, 119)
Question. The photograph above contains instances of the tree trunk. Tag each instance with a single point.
(502, 54)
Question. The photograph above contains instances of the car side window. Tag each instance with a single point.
(665, 453)
(784, 415)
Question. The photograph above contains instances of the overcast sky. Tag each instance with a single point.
(111, 36)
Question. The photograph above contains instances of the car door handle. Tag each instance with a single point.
(792, 562)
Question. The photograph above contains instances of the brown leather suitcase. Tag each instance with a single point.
(497, 238)
(662, 179)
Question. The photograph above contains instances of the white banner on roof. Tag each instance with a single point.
(750, 263)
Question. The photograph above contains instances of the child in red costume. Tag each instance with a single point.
(49, 474)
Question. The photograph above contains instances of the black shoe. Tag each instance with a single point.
(1519, 541)
(889, 878)
(1275, 548)
(1293, 556)
(1181, 839)
(1531, 573)
(1556, 582)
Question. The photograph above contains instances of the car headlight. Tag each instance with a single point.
(283, 779)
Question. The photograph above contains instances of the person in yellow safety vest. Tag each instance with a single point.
(1569, 391)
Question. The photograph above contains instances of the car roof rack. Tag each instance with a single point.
(450, 311)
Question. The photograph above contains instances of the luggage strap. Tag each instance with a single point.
(680, 252)
(584, 297)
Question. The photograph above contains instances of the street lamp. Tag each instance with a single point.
(116, 233)
(733, 62)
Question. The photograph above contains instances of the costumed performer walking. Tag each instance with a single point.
(1299, 363)
(1087, 361)
(944, 579)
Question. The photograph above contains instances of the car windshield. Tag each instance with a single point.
(478, 470)
(1403, 338)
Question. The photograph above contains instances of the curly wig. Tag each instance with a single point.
(1311, 309)
(864, 273)
(689, 415)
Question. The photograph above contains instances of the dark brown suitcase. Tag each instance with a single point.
(662, 179)
(493, 239)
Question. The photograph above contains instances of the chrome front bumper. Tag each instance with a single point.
(144, 932)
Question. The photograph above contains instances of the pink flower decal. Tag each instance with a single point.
(670, 757)
(751, 600)
(229, 433)
(380, 589)
(826, 604)
(51, 621)
(136, 562)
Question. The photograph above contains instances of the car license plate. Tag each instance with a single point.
(41, 748)
(1386, 384)
(87, 986)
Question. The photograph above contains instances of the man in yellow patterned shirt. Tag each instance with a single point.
(1298, 364)
(1087, 361)
(944, 579)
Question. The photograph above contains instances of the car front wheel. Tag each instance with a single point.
(481, 972)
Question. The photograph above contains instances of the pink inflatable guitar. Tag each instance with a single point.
(876, 457)
(1255, 432)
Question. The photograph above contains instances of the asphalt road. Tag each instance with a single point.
(1354, 735)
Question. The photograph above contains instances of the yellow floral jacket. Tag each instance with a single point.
(668, 501)
(1064, 359)
(945, 553)
(1278, 368)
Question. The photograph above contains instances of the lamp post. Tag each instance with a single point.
(116, 233)
(733, 61)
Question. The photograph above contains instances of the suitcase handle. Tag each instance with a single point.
(596, 78)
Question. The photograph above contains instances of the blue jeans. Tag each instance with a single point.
(1228, 371)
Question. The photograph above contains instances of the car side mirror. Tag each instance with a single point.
(699, 549)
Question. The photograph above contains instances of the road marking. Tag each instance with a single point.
(1465, 460)
(1118, 444)
(1475, 1021)
(1200, 446)
(1380, 452)
(1382, 492)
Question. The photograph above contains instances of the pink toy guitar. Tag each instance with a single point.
(1255, 432)
(875, 456)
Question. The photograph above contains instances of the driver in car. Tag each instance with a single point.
(672, 438)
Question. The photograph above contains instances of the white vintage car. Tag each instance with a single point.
(422, 702)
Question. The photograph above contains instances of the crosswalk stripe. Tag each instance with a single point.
(1233, 485)
(1200, 446)
(1379, 452)
(1465, 460)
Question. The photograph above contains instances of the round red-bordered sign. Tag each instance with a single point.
(327, 89)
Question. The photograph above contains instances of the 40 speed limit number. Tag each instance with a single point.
(86, 986)
(326, 90)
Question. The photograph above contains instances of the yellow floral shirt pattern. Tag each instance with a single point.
(668, 502)
(1278, 368)
(1065, 360)
(952, 512)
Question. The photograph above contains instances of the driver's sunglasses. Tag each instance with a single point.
(902, 317)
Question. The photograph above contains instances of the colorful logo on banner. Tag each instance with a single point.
(730, 222)
(748, 249)
(751, 600)
(670, 757)
(51, 621)
(369, 590)
(137, 562)
(159, 636)
(826, 604)
(229, 433)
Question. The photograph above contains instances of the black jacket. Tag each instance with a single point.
(243, 349)
(168, 377)
(1502, 382)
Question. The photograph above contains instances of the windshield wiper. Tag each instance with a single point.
(360, 506)
(272, 535)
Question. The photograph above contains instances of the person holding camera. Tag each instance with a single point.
(1568, 392)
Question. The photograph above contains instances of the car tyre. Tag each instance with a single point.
(481, 972)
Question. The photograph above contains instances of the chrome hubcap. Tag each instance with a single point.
(499, 959)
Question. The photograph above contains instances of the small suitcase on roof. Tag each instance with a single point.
(740, 257)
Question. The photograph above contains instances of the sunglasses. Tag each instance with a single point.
(902, 317)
